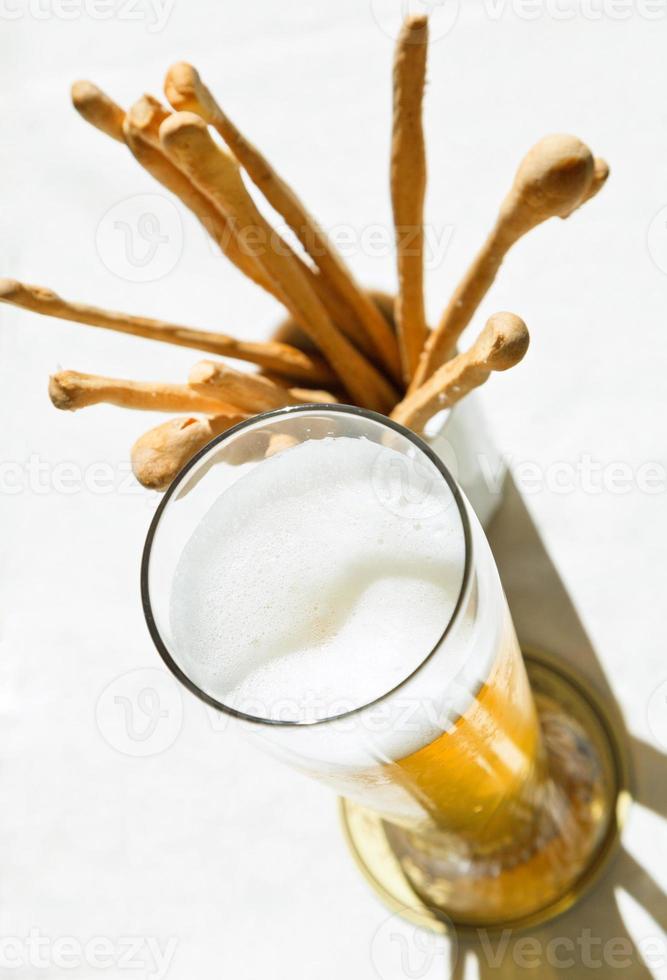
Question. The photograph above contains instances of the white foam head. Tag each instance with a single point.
(319, 580)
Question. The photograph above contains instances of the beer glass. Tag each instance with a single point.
(472, 788)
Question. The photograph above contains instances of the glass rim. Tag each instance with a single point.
(310, 408)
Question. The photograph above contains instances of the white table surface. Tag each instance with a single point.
(186, 837)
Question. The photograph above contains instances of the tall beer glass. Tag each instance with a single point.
(491, 811)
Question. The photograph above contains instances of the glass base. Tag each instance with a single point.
(588, 763)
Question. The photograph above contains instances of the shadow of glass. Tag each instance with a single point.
(592, 938)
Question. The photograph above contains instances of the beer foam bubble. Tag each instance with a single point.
(319, 580)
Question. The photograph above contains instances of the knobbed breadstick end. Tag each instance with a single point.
(552, 180)
(415, 29)
(98, 109)
(501, 344)
(186, 139)
(161, 453)
(184, 88)
(10, 290)
(63, 391)
(37, 298)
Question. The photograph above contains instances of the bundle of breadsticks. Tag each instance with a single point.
(341, 342)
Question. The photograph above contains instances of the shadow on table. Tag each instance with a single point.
(591, 939)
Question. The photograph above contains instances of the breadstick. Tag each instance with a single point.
(163, 170)
(71, 390)
(161, 453)
(280, 359)
(501, 344)
(408, 189)
(553, 179)
(186, 137)
(141, 128)
(185, 91)
(140, 133)
(98, 109)
(331, 299)
(249, 392)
